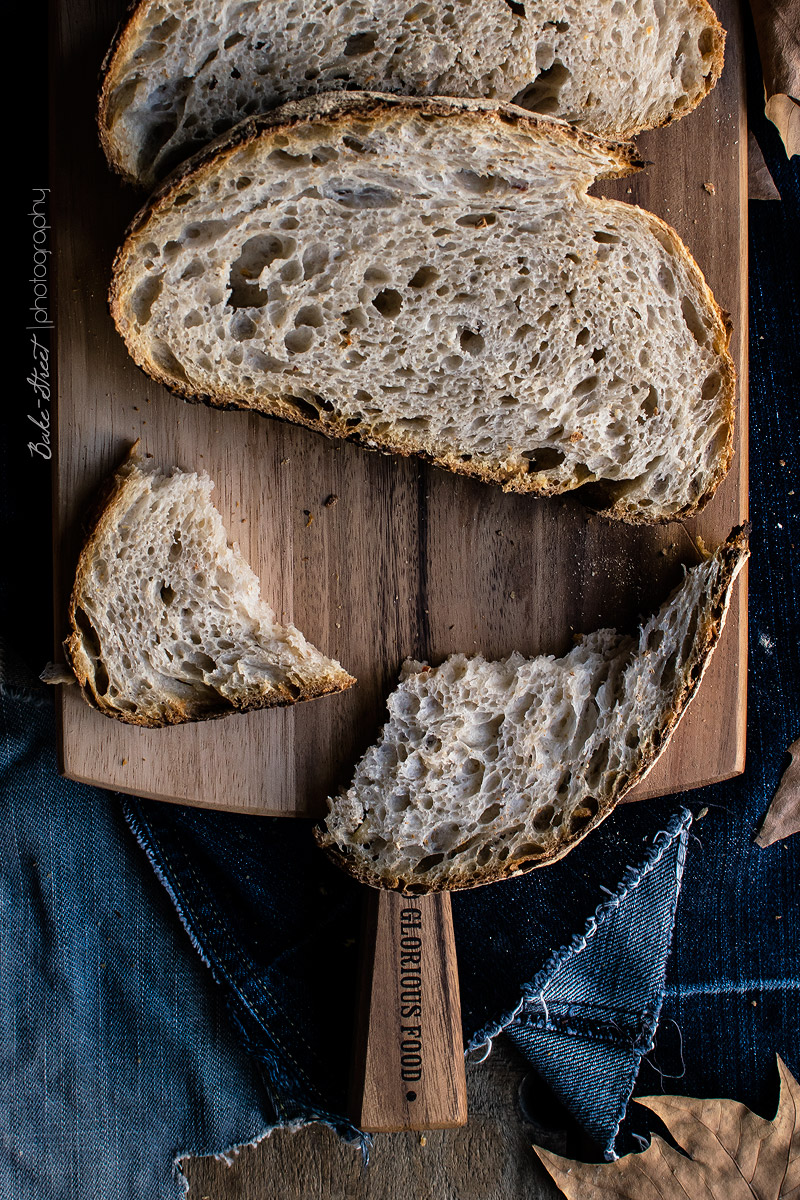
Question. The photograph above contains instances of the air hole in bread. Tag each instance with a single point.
(298, 341)
(545, 458)
(475, 185)
(101, 680)
(310, 314)
(424, 277)
(291, 271)
(165, 359)
(586, 386)
(694, 322)
(388, 303)
(477, 220)
(145, 296)
(167, 594)
(471, 342)
(605, 238)
(711, 385)
(706, 42)
(650, 403)
(204, 233)
(366, 197)
(542, 96)
(302, 407)
(544, 817)
(359, 43)
(243, 327)
(88, 632)
(256, 255)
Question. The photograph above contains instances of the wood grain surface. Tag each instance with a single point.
(490, 1158)
(409, 560)
(409, 1071)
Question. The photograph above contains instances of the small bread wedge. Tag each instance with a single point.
(177, 75)
(430, 277)
(168, 623)
(486, 770)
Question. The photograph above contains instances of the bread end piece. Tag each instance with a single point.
(487, 770)
(168, 625)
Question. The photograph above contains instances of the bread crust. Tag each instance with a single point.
(110, 504)
(341, 108)
(734, 553)
(128, 35)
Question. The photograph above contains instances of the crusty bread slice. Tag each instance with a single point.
(168, 624)
(431, 277)
(486, 770)
(177, 75)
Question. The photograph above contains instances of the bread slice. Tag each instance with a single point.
(431, 277)
(485, 770)
(178, 75)
(167, 621)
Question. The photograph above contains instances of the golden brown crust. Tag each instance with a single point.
(125, 35)
(733, 555)
(104, 517)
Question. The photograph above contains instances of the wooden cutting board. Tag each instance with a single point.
(408, 560)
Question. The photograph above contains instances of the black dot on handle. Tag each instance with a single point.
(411, 1095)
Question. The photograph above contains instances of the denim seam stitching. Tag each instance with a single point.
(632, 877)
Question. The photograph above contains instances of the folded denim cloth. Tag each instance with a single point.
(279, 927)
(117, 1055)
(588, 1018)
(733, 984)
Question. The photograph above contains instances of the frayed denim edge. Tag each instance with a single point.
(652, 1015)
(230, 1153)
(662, 841)
(344, 1128)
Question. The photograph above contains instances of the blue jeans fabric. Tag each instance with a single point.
(733, 986)
(116, 1054)
(591, 1014)
(279, 927)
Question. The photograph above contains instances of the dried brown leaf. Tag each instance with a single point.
(730, 1154)
(760, 184)
(777, 24)
(784, 112)
(783, 814)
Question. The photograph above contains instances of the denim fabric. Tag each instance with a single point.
(591, 1014)
(117, 1054)
(279, 927)
(733, 987)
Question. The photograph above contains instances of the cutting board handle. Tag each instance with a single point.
(409, 1064)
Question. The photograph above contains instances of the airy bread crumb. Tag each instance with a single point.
(168, 622)
(485, 770)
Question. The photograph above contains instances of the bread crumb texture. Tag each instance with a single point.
(180, 74)
(431, 277)
(167, 620)
(485, 770)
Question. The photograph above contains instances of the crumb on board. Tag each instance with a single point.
(309, 517)
(709, 187)
(332, 499)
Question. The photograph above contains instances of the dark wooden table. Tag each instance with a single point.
(490, 1158)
